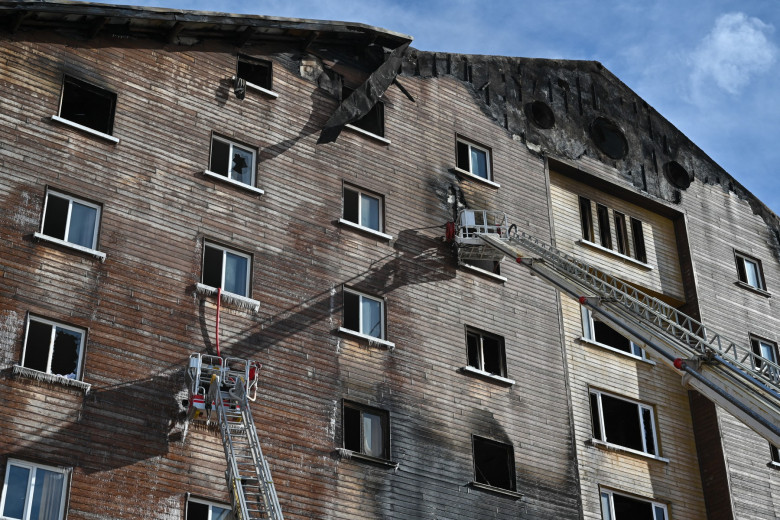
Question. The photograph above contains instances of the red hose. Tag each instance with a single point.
(219, 299)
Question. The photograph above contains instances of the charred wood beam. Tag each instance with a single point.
(96, 26)
(402, 89)
(174, 31)
(17, 20)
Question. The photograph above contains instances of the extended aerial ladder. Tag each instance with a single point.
(728, 373)
(220, 390)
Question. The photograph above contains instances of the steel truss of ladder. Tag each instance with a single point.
(248, 476)
(728, 373)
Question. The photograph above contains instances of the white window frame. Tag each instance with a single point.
(360, 315)
(251, 185)
(64, 241)
(31, 482)
(743, 259)
(55, 324)
(660, 511)
(589, 336)
(236, 252)
(384, 416)
(481, 353)
(88, 129)
(640, 408)
(359, 225)
(488, 158)
(269, 91)
(209, 503)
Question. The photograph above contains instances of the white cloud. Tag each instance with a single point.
(737, 48)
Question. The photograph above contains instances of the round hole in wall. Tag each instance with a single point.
(677, 175)
(540, 114)
(609, 138)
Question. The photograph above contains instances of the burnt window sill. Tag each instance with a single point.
(469, 175)
(603, 249)
(37, 375)
(484, 272)
(750, 288)
(606, 446)
(257, 88)
(487, 375)
(353, 455)
(230, 181)
(370, 339)
(616, 350)
(496, 490)
(94, 252)
(374, 136)
(364, 229)
(229, 298)
(86, 129)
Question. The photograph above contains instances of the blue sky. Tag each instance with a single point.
(712, 68)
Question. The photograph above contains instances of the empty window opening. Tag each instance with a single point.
(638, 236)
(231, 160)
(474, 159)
(374, 121)
(622, 422)
(615, 506)
(486, 352)
(226, 268)
(750, 271)
(363, 208)
(586, 219)
(494, 463)
(70, 219)
(33, 492)
(595, 330)
(621, 234)
(366, 430)
(605, 236)
(255, 71)
(204, 510)
(775, 454)
(763, 348)
(364, 314)
(87, 105)
(491, 266)
(53, 348)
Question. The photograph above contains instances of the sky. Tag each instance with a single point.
(711, 67)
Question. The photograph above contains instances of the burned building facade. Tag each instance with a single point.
(292, 192)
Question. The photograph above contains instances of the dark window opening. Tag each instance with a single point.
(255, 71)
(606, 335)
(374, 121)
(56, 218)
(605, 236)
(586, 219)
(494, 463)
(622, 422)
(52, 349)
(775, 453)
(491, 266)
(197, 511)
(750, 271)
(366, 430)
(630, 509)
(638, 240)
(351, 311)
(621, 234)
(486, 352)
(88, 105)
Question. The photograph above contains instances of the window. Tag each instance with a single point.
(256, 72)
(621, 235)
(615, 506)
(486, 352)
(33, 492)
(87, 105)
(364, 314)
(363, 208)
(226, 268)
(763, 348)
(605, 236)
(595, 330)
(232, 161)
(474, 159)
(638, 236)
(53, 348)
(750, 271)
(623, 423)
(366, 430)
(198, 509)
(374, 121)
(586, 219)
(494, 463)
(70, 220)
(775, 454)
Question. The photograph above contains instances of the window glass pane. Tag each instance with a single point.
(64, 359)
(212, 266)
(351, 429)
(606, 509)
(47, 495)
(82, 225)
(767, 350)
(241, 165)
(351, 199)
(660, 513)
(373, 435)
(220, 157)
(369, 212)
(56, 217)
(371, 317)
(479, 163)
(219, 513)
(351, 311)
(36, 352)
(235, 274)
(197, 511)
(751, 273)
(16, 492)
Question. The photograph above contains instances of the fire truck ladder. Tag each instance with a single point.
(728, 373)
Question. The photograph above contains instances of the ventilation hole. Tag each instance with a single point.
(609, 138)
(677, 175)
(540, 114)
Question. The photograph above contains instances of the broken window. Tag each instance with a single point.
(638, 236)
(364, 314)
(474, 159)
(53, 348)
(363, 208)
(366, 430)
(586, 219)
(198, 509)
(33, 492)
(750, 271)
(87, 105)
(605, 236)
(623, 423)
(615, 506)
(374, 121)
(226, 268)
(595, 330)
(231, 160)
(70, 219)
(486, 351)
(621, 234)
(256, 72)
(494, 463)
(763, 348)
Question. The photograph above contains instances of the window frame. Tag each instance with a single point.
(96, 90)
(237, 252)
(481, 334)
(608, 494)
(600, 437)
(774, 455)
(34, 467)
(621, 233)
(586, 219)
(741, 258)
(382, 311)
(470, 143)
(638, 242)
(54, 324)
(605, 234)
(210, 172)
(359, 225)
(384, 416)
(71, 199)
(589, 336)
(756, 344)
(512, 477)
(210, 503)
